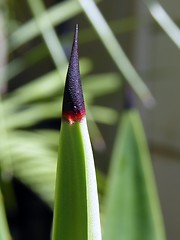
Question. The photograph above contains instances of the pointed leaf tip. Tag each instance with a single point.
(73, 102)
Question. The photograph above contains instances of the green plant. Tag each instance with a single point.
(76, 211)
(30, 155)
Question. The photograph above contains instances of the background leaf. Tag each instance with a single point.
(4, 230)
(163, 19)
(132, 208)
(116, 52)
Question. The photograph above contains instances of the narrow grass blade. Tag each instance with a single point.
(165, 22)
(59, 13)
(116, 52)
(104, 115)
(31, 58)
(119, 26)
(39, 52)
(76, 211)
(132, 208)
(102, 84)
(41, 88)
(49, 35)
(4, 230)
(32, 115)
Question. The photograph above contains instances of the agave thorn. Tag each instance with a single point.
(73, 102)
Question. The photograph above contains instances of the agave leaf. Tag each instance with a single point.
(132, 210)
(76, 200)
(76, 211)
(164, 20)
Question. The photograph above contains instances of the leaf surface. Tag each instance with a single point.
(132, 206)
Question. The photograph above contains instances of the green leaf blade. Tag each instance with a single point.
(132, 205)
(71, 186)
(116, 52)
(164, 21)
(76, 213)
